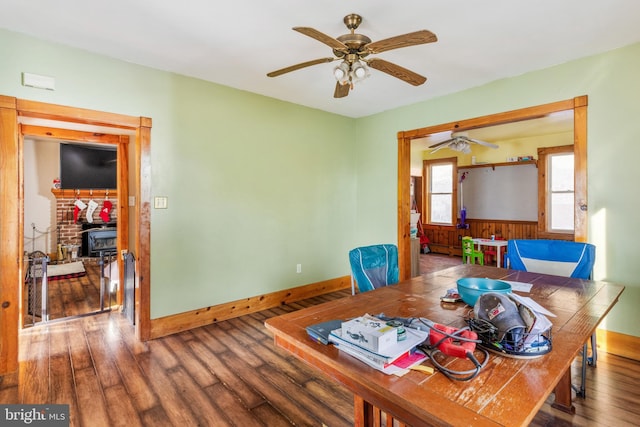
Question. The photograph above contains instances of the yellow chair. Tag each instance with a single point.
(469, 252)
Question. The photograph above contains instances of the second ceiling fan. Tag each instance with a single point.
(460, 141)
(353, 50)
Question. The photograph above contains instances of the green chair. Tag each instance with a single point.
(469, 252)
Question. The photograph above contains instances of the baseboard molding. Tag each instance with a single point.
(192, 319)
(619, 344)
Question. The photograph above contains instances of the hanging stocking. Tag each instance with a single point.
(90, 210)
(106, 210)
(78, 206)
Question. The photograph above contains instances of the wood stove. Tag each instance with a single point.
(98, 238)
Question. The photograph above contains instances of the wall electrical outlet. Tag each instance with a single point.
(298, 268)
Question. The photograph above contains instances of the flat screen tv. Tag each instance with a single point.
(87, 167)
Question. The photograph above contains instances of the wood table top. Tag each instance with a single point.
(508, 391)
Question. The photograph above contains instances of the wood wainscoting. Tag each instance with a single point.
(445, 239)
(172, 324)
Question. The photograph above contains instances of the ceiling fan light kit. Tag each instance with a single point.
(341, 72)
(347, 73)
(359, 70)
(353, 48)
(460, 142)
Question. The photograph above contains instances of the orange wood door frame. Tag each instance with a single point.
(12, 111)
(578, 105)
(11, 244)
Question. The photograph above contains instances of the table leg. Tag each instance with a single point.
(562, 399)
(498, 255)
(362, 412)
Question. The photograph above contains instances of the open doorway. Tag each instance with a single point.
(20, 118)
(579, 107)
(70, 218)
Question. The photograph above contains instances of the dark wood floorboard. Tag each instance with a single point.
(231, 374)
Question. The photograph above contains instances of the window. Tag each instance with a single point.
(440, 178)
(560, 178)
(557, 191)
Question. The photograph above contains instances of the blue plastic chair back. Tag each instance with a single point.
(373, 266)
(557, 257)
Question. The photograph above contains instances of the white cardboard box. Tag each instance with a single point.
(371, 333)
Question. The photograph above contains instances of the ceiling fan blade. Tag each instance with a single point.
(323, 38)
(485, 143)
(298, 66)
(441, 143)
(397, 71)
(439, 148)
(341, 90)
(405, 40)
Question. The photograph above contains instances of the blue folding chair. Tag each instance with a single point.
(373, 267)
(557, 257)
(560, 258)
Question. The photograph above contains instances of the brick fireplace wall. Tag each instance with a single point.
(70, 231)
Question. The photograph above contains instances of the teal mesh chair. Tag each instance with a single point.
(373, 267)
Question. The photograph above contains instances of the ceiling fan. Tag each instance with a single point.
(460, 141)
(353, 49)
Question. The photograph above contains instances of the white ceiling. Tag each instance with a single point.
(236, 43)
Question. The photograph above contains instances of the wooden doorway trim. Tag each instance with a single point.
(12, 207)
(579, 107)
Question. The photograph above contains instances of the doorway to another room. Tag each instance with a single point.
(70, 228)
(577, 107)
(20, 119)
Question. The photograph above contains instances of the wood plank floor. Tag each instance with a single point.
(229, 374)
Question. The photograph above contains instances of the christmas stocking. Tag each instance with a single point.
(90, 210)
(79, 205)
(106, 210)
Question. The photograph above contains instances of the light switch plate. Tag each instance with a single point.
(160, 202)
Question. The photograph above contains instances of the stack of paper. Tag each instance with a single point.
(396, 360)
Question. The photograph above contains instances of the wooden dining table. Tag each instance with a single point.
(507, 391)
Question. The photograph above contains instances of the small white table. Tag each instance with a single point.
(495, 243)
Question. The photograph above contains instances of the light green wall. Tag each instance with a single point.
(611, 82)
(256, 186)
